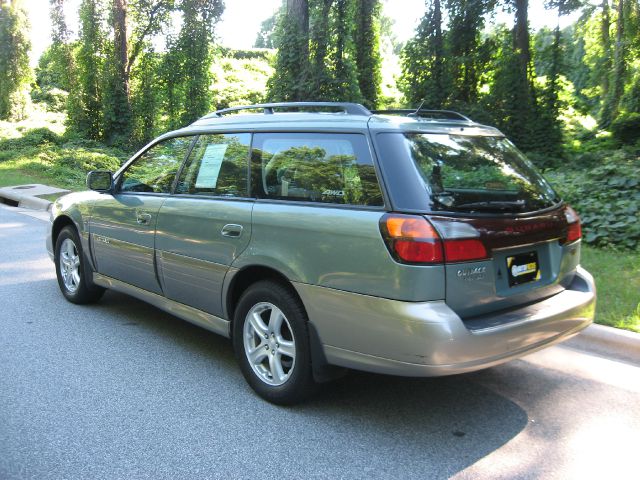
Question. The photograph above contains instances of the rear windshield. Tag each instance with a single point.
(477, 174)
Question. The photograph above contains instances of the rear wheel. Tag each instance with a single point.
(271, 343)
(74, 275)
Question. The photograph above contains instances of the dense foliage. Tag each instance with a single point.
(327, 50)
(604, 186)
(569, 97)
(532, 88)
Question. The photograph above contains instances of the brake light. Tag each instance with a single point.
(574, 232)
(464, 250)
(413, 239)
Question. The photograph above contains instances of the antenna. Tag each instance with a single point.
(417, 112)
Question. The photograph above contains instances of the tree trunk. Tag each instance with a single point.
(438, 50)
(521, 34)
(298, 15)
(367, 51)
(619, 65)
(322, 37)
(298, 12)
(606, 47)
(120, 44)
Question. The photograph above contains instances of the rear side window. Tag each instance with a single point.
(315, 167)
(218, 165)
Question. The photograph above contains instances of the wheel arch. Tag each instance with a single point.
(58, 224)
(247, 276)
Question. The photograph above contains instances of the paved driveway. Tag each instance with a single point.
(123, 390)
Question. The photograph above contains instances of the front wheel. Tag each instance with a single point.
(271, 343)
(74, 276)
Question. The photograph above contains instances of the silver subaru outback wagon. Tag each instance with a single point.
(322, 236)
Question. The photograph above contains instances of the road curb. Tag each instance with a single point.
(34, 203)
(608, 341)
(27, 196)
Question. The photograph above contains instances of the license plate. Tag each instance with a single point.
(523, 268)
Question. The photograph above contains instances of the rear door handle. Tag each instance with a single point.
(143, 218)
(231, 230)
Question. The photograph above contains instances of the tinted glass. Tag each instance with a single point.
(315, 167)
(477, 173)
(155, 170)
(218, 165)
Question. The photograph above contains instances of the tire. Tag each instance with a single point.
(271, 343)
(73, 272)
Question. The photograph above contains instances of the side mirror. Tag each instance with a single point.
(99, 180)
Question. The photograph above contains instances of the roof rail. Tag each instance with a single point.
(268, 108)
(423, 112)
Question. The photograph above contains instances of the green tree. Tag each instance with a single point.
(267, 36)
(423, 61)
(170, 80)
(367, 43)
(605, 36)
(345, 77)
(291, 81)
(320, 44)
(549, 123)
(510, 99)
(145, 97)
(198, 17)
(85, 110)
(116, 97)
(15, 72)
(464, 48)
(132, 22)
(57, 62)
(611, 105)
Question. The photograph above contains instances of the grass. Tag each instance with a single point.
(46, 155)
(617, 277)
(10, 177)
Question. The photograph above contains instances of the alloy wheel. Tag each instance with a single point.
(269, 343)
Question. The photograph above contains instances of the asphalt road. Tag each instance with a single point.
(123, 390)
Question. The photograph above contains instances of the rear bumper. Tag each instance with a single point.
(430, 339)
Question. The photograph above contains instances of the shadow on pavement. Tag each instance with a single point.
(363, 424)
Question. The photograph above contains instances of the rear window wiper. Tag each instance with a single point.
(494, 205)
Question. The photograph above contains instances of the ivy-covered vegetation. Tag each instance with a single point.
(570, 98)
(14, 60)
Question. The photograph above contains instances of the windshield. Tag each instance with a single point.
(477, 173)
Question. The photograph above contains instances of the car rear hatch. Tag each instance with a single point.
(505, 237)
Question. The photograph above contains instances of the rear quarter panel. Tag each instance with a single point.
(336, 248)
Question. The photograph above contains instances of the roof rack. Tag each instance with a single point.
(268, 108)
(423, 112)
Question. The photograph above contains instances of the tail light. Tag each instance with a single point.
(574, 230)
(412, 239)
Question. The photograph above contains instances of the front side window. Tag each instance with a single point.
(156, 169)
(315, 167)
(218, 166)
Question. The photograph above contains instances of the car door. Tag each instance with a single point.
(122, 225)
(206, 224)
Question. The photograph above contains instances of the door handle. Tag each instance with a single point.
(231, 230)
(143, 218)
